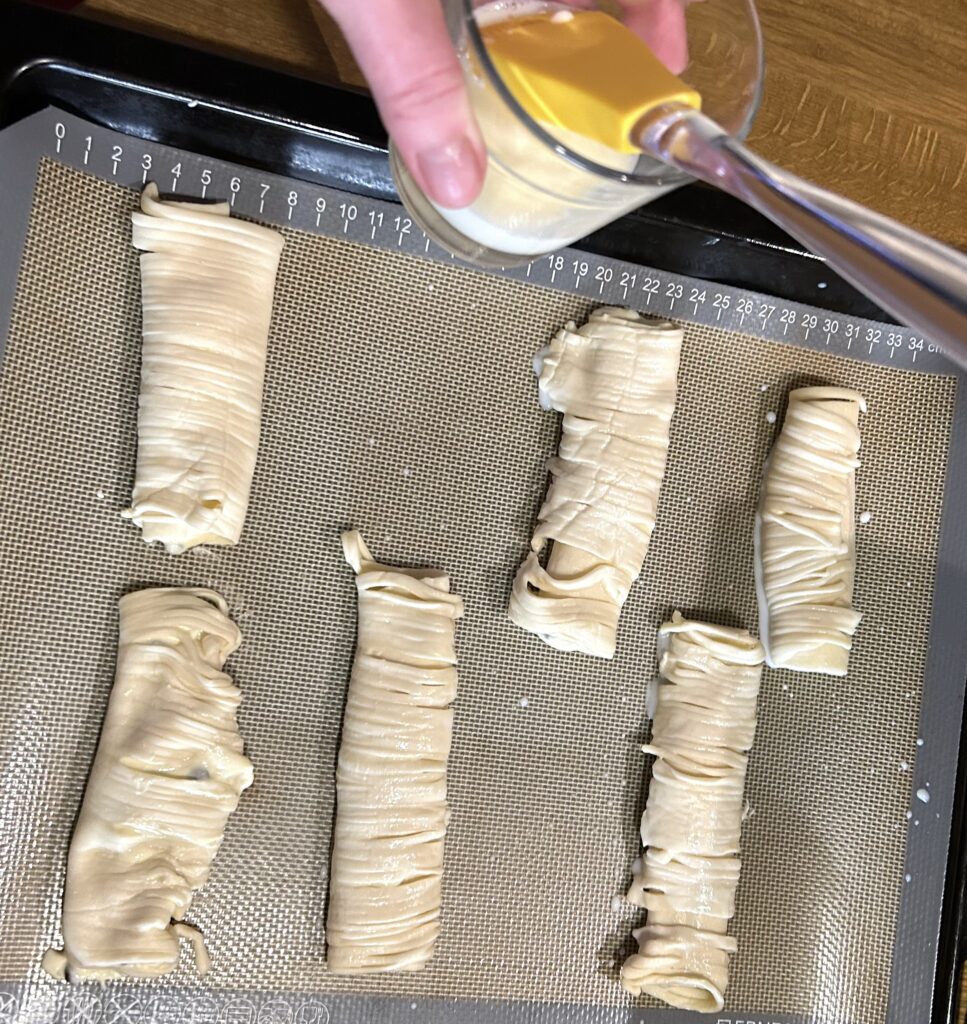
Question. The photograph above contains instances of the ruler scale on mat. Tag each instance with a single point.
(400, 399)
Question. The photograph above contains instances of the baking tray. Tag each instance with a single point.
(261, 120)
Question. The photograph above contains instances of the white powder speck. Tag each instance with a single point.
(770, 417)
(412, 1006)
(928, 785)
(616, 905)
(763, 387)
(192, 104)
(785, 686)
(919, 741)
(524, 702)
(429, 287)
(909, 815)
(407, 471)
(923, 795)
(916, 821)
(938, 814)
(100, 495)
(866, 518)
(371, 442)
(904, 767)
(909, 694)
(908, 878)
(822, 284)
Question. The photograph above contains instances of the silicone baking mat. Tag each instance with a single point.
(400, 400)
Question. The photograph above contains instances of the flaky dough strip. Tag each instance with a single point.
(167, 774)
(207, 281)
(703, 729)
(614, 379)
(391, 791)
(805, 533)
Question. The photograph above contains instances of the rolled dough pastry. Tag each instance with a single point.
(805, 533)
(703, 729)
(614, 379)
(391, 789)
(207, 281)
(167, 774)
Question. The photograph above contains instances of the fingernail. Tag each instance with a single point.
(451, 173)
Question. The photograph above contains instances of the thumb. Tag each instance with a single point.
(661, 24)
(408, 58)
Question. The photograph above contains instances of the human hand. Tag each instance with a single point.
(407, 56)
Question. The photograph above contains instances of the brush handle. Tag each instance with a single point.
(920, 281)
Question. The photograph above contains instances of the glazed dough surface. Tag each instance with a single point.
(207, 282)
(391, 791)
(167, 774)
(805, 533)
(614, 379)
(702, 731)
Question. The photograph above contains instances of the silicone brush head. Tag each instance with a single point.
(583, 71)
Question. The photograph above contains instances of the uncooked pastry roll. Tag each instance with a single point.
(614, 379)
(168, 772)
(391, 788)
(207, 281)
(805, 533)
(703, 729)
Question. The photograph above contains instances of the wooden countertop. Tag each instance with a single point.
(864, 97)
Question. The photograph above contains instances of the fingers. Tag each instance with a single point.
(406, 54)
(661, 24)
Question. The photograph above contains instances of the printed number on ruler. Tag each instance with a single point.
(650, 287)
(403, 226)
(349, 213)
(604, 276)
(744, 307)
(720, 303)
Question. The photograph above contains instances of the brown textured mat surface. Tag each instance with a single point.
(400, 400)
